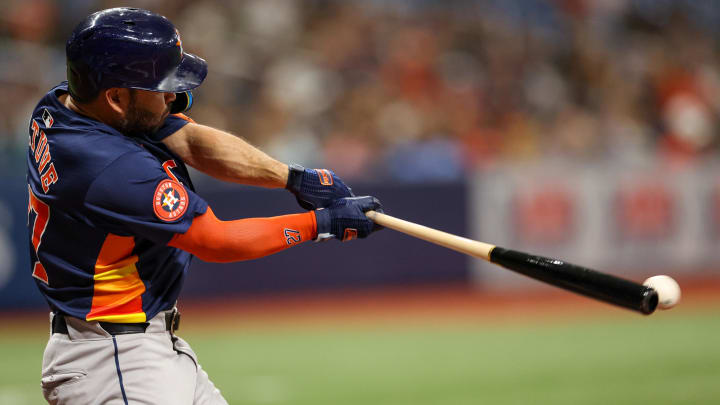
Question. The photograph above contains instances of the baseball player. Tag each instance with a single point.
(114, 219)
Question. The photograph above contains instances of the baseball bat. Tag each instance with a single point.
(591, 283)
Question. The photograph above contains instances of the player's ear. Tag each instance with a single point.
(118, 99)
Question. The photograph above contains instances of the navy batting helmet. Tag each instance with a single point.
(131, 48)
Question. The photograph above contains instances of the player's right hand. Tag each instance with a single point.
(345, 218)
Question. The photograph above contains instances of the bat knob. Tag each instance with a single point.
(649, 301)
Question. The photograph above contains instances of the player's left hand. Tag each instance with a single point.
(345, 218)
(316, 188)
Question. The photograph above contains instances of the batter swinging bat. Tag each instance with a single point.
(581, 280)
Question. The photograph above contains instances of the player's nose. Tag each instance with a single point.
(170, 97)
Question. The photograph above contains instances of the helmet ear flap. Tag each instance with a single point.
(80, 84)
(183, 102)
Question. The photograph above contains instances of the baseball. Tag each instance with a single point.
(668, 290)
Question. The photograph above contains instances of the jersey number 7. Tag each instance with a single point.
(42, 217)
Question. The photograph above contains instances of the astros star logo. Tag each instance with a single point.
(179, 41)
(170, 201)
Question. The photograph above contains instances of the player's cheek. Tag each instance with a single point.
(159, 103)
(156, 102)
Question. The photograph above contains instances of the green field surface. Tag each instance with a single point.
(663, 359)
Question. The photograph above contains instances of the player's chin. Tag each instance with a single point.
(153, 129)
(141, 128)
(152, 126)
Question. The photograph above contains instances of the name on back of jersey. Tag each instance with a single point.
(40, 150)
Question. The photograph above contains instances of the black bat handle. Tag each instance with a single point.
(578, 279)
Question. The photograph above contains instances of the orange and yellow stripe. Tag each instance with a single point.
(118, 289)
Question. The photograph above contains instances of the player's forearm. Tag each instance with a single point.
(213, 240)
(226, 157)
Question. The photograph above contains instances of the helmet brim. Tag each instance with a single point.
(188, 75)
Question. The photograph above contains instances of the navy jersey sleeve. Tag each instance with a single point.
(172, 124)
(135, 196)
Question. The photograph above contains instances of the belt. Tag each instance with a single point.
(172, 323)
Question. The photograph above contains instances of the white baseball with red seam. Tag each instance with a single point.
(667, 289)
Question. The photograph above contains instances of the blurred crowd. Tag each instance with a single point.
(418, 90)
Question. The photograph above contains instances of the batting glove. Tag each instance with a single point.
(345, 218)
(316, 188)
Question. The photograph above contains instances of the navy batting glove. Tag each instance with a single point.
(316, 188)
(345, 218)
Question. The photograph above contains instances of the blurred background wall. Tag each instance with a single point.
(585, 129)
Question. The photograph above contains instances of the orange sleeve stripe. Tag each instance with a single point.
(213, 240)
(185, 117)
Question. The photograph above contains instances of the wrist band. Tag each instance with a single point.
(295, 175)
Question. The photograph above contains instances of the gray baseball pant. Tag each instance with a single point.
(89, 366)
